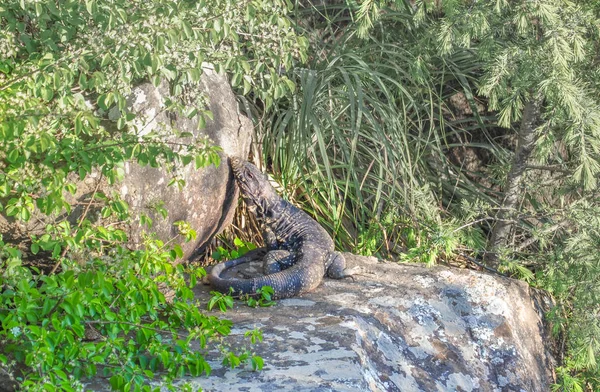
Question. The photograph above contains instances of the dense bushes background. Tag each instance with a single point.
(456, 132)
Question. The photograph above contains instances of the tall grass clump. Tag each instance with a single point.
(362, 144)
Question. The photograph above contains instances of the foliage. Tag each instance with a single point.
(222, 300)
(537, 53)
(105, 316)
(375, 142)
(257, 362)
(238, 249)
(66, 68)
(364, 143)
(262, 298)
(573, 277)
(65, 71)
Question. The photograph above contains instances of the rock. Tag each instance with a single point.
(208, 200)
(403, 328)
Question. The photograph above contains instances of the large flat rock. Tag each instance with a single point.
(403, 327)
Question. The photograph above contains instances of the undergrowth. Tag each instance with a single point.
(130, 316)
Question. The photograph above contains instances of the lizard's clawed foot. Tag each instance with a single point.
(352, 272)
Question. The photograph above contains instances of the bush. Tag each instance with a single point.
(65, 70)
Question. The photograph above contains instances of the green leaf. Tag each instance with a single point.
(194, 75)
(47, 93)
(257, 363)
(236, 79)
(105, 60)
(178, 250)
(38, 10)
(13, 155)
(187, 28)
(201, 122)
(91, 7)
(247, 86)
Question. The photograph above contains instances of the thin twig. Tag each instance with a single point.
(102, 322)
(85, 212)
(550, 229)
(554, 168)
(472, 223)
(478, 263)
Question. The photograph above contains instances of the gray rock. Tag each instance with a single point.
(403, 328)
(209, 198)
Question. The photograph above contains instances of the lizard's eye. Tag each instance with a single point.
(250, 175)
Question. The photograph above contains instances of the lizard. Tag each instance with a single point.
(298, 252)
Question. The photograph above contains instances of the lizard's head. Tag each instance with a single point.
(255, 188)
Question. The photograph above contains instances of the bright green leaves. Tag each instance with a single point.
(187, 29)
(20, 208)
(91, 7)
(189, 234)
(233, 360)
(64, 78)
(262, 298)
(222, 301)
(121, 305)
(12, 155)
(240, 248)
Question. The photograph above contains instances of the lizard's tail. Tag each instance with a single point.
(299, 278)
(218, 269)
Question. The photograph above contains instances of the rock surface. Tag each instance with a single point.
(403, 328)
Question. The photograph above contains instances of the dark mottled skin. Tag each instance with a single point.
(298, 252)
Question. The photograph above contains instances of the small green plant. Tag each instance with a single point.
(516, 270)
(262, 298)
(238, 249)
(223, 301)
(233, 360)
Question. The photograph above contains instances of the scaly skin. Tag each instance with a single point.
(298, 252)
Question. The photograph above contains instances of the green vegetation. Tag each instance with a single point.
(436, 132)
(263, 296)
(456, 132)
(75, 300)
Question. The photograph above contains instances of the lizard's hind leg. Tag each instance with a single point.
(277, 260)
(336, 267)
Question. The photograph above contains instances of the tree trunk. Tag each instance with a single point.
(513, 189)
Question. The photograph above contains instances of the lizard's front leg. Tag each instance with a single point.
(276, 259)
(270, 238)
